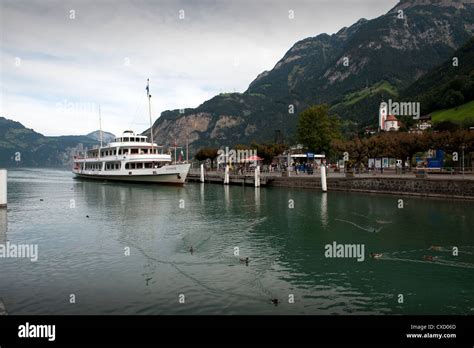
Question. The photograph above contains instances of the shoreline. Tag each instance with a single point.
(436, 187)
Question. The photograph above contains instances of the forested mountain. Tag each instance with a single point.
(353, 70)
(23, 147)
(449, 85)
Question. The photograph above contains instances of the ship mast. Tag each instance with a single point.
(149, 111)
(100, 128)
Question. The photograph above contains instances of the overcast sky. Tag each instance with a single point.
(61, 59)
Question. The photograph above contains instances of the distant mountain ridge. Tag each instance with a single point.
(352, 70)
(23, 147)
(106, 136)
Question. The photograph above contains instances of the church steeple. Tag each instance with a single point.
(383, 111)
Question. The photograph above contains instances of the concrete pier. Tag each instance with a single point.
(202, 173)
(233, 179)
(324, 185)
(257, 176)
(3, 188)
(226, 176)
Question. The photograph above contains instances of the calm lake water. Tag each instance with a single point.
(286, 246)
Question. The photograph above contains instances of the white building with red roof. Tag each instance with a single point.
(387, 122)
(391, 123)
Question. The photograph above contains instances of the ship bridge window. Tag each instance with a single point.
(143, 165)
(112, 166)
(126, 139)
(94, 166)
(134, 151)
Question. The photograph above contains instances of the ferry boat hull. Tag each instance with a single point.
(169, 174)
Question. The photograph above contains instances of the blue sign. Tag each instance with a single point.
(310, 155)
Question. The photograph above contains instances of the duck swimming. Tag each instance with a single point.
(244, 260)
(436, 248)
(275, 301)
(429, 258)
(376, 255)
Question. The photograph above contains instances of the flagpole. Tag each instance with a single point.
(187, 149)
(149, 111)
(175, 151)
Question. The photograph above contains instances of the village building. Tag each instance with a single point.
(387, 122)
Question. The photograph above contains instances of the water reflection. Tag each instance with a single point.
(3, 226)
(227, 196)
(257, 199)
(201, 190)
(324, 209)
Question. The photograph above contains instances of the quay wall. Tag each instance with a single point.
(433, 187)
(457, 188)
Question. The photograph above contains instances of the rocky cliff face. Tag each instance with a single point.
(353, 70)
(405, 4)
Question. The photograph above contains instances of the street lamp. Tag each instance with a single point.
(463, 146)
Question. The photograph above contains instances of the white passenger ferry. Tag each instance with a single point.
(130, 158)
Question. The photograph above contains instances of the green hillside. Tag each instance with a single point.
(463, 114)
(447, 86)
